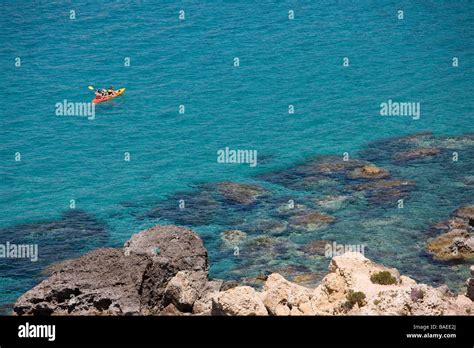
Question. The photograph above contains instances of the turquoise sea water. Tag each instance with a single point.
(190, 63)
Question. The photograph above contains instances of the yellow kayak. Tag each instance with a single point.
(103, 99)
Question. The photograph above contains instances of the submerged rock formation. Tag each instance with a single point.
(457, 241)
(368, 172)
(211, 203)
(417, 153)
(57, 240)
(310, 221)
(238, 193)
(232, 238)
(164, 271)
(317, 171)
(200, 208)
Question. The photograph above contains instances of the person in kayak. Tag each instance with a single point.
(100, 93)
(111, 91)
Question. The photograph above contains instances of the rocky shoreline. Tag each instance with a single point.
(457, 240)
(164, 271)
(277, 227)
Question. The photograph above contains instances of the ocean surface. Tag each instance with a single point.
(190, 62)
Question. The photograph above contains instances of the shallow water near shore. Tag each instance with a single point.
(283, 62)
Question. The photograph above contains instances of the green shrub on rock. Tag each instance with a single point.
(353, 298)
(383, 278)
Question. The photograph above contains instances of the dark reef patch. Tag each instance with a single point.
(73, 234)
(200, 208)
(214, 203)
